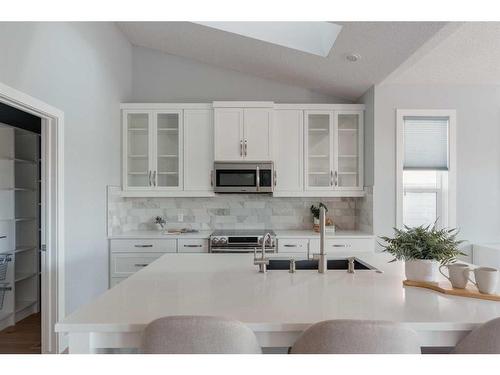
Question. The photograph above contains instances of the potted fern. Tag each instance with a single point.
(423, 249)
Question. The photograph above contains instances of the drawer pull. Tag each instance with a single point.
(143, 245)
(341, 245)
(290, 245)
(141, 265)
(3, 237)
(193, 245)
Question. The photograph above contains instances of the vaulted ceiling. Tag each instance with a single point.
(382, 47)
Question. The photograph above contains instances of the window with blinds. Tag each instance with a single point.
(425, 165)
(426, 143)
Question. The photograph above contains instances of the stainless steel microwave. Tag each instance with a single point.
(244, 177)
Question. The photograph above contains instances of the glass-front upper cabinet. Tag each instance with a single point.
(152, 150)
(136, 133)
(168, 170)
(318, 144)
(349, 126)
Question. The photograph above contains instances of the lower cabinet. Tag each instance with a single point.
(337, 245)
(332, 245)
(196, 245)
(127, 256)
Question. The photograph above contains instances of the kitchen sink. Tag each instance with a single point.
(306, 264)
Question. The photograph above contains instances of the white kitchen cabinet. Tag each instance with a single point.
(333, 143)
(257, 131)
(126, 264)
(228, 134)
(288, 151)
(344, 245)
(152, 148)
(293, 245)
(192, 245)
(242, 134)
(349, 147)
(198, 150)
(168, 150)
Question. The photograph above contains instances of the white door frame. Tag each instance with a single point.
(52, 176)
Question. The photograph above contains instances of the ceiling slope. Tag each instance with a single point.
(383, 46)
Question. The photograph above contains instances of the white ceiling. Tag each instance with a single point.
(470, 54)
(383, 46)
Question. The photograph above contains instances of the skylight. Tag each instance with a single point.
(312, 37)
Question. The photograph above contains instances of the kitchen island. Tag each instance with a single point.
(277, 305)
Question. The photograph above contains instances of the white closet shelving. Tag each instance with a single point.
(19, 224)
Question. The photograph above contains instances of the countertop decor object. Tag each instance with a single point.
(315, 213)
(446, 288)
(422, 249)
(160, 222)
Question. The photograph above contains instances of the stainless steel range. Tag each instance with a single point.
(241, 241)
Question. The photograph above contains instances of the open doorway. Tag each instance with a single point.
(20, 231)
(31, 230)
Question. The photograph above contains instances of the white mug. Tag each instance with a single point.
(486, 279)
(458, 274)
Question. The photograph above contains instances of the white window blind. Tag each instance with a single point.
(425, 143)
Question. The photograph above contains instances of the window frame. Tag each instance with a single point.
(447, 193)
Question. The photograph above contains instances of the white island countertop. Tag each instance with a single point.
(277, 305)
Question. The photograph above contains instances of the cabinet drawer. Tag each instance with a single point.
(337, 245)
(125, 264)
(292, 245)
(116, 280)
(195, 245)
(147, 245)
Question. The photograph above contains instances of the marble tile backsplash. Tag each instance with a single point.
(235, 211)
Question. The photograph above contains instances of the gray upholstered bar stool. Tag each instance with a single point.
(357, 337)
(198, 335)
(485, 339)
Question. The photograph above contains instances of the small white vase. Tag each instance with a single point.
(315, 221)
(158, 227)
(421, 270)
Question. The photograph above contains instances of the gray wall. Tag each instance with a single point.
(478, 153)
(84, 69)
(161, 77)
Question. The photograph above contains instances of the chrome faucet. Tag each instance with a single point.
(263, 261)
(321, 257)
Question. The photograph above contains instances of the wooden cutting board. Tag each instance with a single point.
(446, 288)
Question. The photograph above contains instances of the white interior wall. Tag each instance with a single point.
(478, 153)
(161, 77)
(84, 69)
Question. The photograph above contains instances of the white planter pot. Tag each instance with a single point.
(158, 227)
(422, 270)
(315, 221)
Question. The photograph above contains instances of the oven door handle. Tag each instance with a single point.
(258, 178)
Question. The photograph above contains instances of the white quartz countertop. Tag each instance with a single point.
(207, 233)
(229, 285)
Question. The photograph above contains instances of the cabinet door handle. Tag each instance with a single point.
(3, 237)
(331, 178)
(154, 178)
(149, 178)
(341, 245)
(143, 245)
(290, 245)
(241, 147)
(258, 177)
(212, 178)
(336, 179)
(5, 288)
(193, 245)
(275, 174)
(246, 147)
(141, 265)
